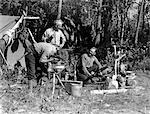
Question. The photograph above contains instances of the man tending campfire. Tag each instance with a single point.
(38, 54)
(86, 66)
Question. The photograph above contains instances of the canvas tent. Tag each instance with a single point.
(7, 23)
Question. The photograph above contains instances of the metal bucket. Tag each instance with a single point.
(76, 89)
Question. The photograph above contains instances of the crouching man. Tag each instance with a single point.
(86, 66)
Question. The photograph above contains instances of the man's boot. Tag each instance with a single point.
(30, 87)
(32, 84)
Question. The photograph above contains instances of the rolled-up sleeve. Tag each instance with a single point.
(97, 62)
(44, 58)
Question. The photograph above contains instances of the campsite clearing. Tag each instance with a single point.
(16, 100)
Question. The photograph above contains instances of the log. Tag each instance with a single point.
(93, 92)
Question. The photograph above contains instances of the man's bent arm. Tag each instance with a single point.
(98, 63)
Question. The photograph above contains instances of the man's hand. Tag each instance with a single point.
(103, 67)
(89, 74)
(92, 73)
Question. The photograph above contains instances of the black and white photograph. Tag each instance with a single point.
(74, 56)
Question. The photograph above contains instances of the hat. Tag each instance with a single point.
(59, 22)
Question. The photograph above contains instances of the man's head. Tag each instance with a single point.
(92, 51)
(58, 23)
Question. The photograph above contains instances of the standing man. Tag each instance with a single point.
(54, 35)
(86, 66)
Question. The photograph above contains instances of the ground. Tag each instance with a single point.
(16, 100)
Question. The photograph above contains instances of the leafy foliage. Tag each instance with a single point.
(118, 27)
(116, 22)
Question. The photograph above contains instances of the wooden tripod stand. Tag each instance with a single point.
(55, 76)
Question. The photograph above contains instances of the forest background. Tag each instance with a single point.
(100, 23)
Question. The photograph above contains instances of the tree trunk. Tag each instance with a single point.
(124, 21)
(99, 26)
(139, 22)
(59, 9)
(119, 20)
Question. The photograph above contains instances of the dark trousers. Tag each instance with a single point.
(34, 67)
(31, 60)
(2, 48)
(31, 66)
(82, 76)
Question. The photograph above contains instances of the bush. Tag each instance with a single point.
(143, 65)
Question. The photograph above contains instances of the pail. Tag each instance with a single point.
(76, 89)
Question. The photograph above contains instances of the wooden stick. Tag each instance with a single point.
(23, 56)
(115, 50)
(31, 36)
(116, 67)
(71, 81)
(24, 13)
(120, 57)
(31, 18)
(18, 23)
(60, 81)
(53, 91)
(4, 57)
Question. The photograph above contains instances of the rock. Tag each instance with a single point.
(20, 111)
(107, 105)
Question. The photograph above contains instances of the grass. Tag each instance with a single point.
(16, 99)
